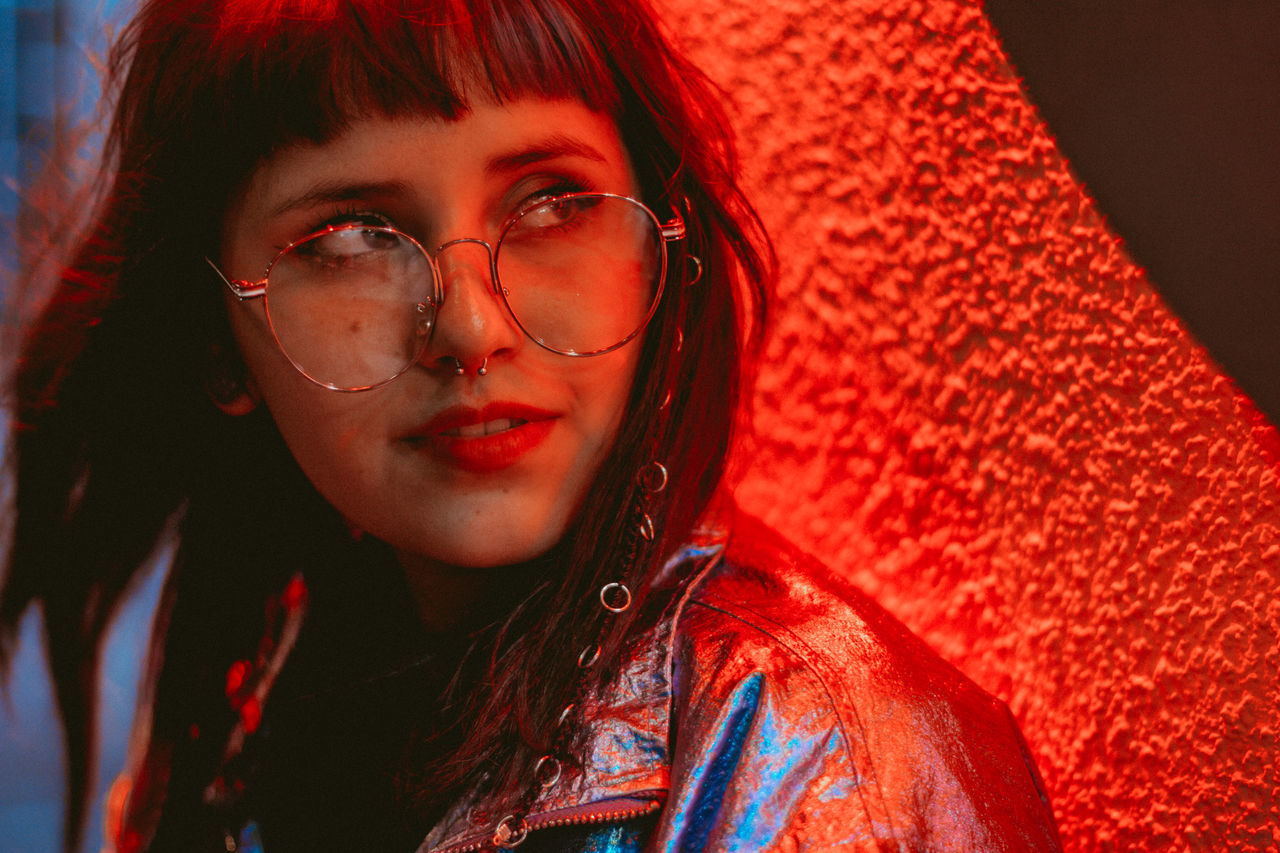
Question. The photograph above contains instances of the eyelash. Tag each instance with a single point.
(562, 185)
(350, 216)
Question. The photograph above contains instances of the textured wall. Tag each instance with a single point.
(987, 416)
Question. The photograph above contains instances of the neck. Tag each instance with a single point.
(452, 599)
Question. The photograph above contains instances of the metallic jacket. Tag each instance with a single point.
(776, 708)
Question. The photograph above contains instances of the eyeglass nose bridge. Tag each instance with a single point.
(489, 253)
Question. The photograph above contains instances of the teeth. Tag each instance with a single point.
(486, 428)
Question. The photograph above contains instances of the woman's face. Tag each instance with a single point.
(462, 470)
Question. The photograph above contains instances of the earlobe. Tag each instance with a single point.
(228, 384)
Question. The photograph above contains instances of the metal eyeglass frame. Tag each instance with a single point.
(671, 231)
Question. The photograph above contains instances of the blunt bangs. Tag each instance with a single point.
(208, 88)
(304, 69)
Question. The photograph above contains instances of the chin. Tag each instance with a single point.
(482, 551)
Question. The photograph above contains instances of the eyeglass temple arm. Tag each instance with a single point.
(249, 289)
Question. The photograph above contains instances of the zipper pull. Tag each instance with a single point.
(511, 832)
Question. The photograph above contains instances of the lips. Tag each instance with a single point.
(484, 440)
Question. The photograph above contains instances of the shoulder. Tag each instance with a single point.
(767, 591)
(806, 699)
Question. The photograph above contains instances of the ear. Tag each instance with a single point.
(228, 384)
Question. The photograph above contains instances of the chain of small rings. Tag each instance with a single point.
(615, 597)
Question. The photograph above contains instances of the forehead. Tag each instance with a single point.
(428, 157)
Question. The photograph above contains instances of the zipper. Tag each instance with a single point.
(608, 811)
(639, 808)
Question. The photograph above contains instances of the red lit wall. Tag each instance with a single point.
(975, 405)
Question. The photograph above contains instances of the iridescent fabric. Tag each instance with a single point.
(776, 708)
(628, 837)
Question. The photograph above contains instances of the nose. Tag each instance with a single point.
(472, 328)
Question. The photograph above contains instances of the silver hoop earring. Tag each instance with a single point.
(484, 368)
(696, 269)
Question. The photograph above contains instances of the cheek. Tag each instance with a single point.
(323, 429)
(253, 336)
(608, 393)
(316, 423)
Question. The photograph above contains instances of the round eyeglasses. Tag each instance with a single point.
(353, 306)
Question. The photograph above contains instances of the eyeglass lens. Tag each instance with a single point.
(353, 306)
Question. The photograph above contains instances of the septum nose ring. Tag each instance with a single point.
(459, 369)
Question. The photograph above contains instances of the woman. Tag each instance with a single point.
(420, 326)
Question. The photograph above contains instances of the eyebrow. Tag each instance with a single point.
(552, 148)
(338, 191)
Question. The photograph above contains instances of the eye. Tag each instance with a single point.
(556, 214)
(345, 245)
(351, 218)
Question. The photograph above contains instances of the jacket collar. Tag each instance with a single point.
(626, 752)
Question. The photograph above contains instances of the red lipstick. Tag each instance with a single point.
(484, 440)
